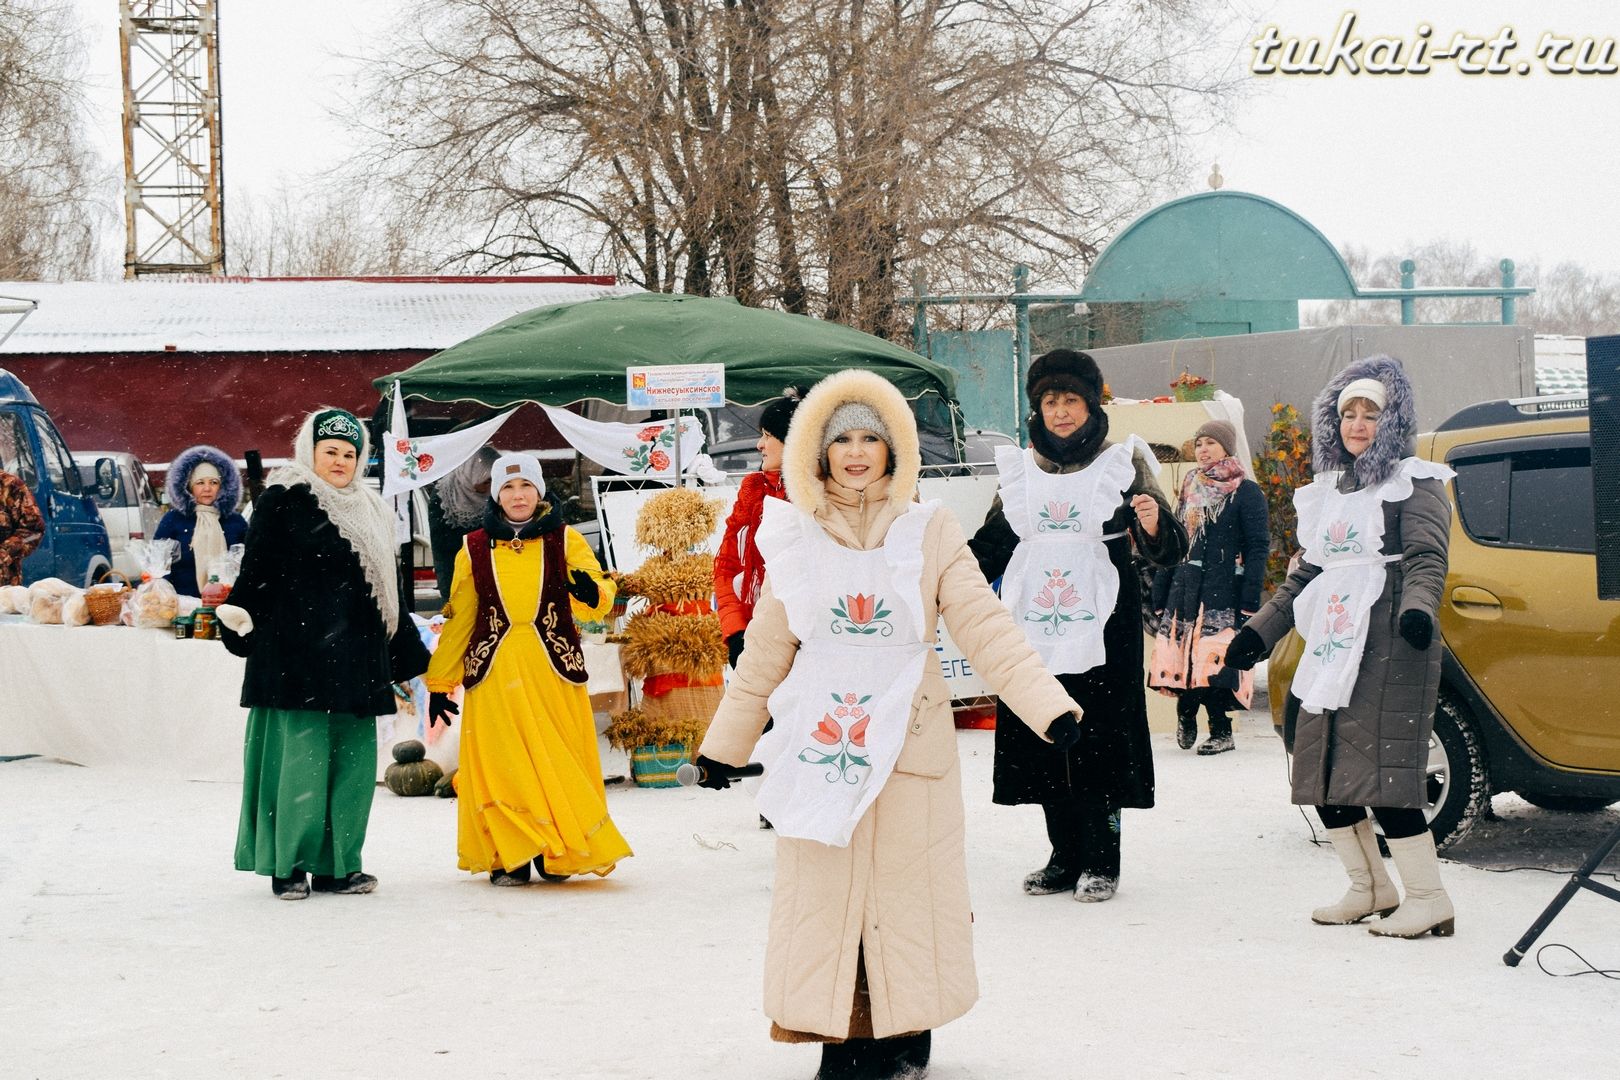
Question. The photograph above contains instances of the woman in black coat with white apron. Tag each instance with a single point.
(1070, 512)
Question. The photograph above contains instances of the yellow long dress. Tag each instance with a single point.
(530, 780)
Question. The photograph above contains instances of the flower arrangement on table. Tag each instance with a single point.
(1190, 387)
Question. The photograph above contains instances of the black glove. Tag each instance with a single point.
(716, 776)
(1246, 648)
(1417, 628)
(1064, 731)
(440, 707)
(734, 646)
(1241, 619)
(583, 588)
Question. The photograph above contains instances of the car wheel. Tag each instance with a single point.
(1571, 804)
(1457, 782)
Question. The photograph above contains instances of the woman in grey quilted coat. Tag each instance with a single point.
(1365, 595)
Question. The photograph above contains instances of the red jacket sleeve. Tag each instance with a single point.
(728, 561)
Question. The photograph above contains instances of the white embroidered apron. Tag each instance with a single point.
(1343, 533)
(1060, 585)
(840, 715)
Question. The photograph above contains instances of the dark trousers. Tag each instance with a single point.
(1215, 700)
(1398, 822)
(1084, 831)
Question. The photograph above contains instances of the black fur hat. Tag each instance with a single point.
(1065, 369)
(776, 417)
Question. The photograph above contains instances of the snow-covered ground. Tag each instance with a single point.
(130, 948)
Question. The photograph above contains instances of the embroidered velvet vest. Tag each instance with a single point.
(554, 620)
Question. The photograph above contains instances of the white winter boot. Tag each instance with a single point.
(1370, 887)
(1426, 908)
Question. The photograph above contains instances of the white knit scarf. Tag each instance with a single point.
(359, 515)
(207, 541)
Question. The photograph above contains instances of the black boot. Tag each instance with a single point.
(518, 875)
(545, 875)
(1050, 878)
(1186, 727)
(349, 885)
(1220, 735)
(295, 887)
(909, 1054)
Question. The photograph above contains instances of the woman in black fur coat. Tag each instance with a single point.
(316, 611)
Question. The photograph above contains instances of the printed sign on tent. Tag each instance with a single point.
(676, 386)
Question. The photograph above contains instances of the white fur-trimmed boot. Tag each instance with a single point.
(1371, 890)
(1426, 909)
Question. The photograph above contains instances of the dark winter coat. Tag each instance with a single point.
(182, 527)
(1114, 755)
(1374, 751)
(318, 642)
(1212, 578)
(180, 522)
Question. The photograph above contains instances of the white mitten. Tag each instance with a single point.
(240, 622)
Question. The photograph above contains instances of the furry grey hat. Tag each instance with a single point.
(1397, 425)
(850, 416)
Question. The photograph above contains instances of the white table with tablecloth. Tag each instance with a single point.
(119, 696)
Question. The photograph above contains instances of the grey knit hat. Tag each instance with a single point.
(850, 416)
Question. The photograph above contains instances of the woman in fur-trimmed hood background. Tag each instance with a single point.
(204, 489)
(1362, 737)
(870, 943)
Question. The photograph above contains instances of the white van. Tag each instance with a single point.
(131, 512)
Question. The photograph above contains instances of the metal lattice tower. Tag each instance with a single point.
(174, 195)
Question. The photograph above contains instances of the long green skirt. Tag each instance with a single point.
(307, 783)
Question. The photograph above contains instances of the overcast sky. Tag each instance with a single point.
(1524, 166)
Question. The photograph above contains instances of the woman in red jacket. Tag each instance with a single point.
(739, 571)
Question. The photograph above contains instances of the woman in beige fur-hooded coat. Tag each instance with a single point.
(873, 940)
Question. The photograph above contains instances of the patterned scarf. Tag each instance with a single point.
(1204, 493)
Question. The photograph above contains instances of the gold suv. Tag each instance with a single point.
(1530, 677)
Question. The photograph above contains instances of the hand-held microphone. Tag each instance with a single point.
(690, 775)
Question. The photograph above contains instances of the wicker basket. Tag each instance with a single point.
(105, 602)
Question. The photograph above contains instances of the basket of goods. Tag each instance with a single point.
(1190, 387)
(154, 603)
(105, 602)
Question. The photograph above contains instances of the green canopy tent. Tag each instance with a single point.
(564, 354)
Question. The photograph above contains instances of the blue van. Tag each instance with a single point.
(75, 546)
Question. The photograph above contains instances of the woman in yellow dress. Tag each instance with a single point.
(529, 789)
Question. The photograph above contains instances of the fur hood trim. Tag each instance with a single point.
(801, 456)
(230, 484)
(1397, 424)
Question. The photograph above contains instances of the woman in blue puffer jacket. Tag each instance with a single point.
(203, 488)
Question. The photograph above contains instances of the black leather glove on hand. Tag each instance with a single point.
(583, 588)
(734, 646)
(441, 708)
(1064, 731)
(716, 776)
(1246, 648)
(1417, 628)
